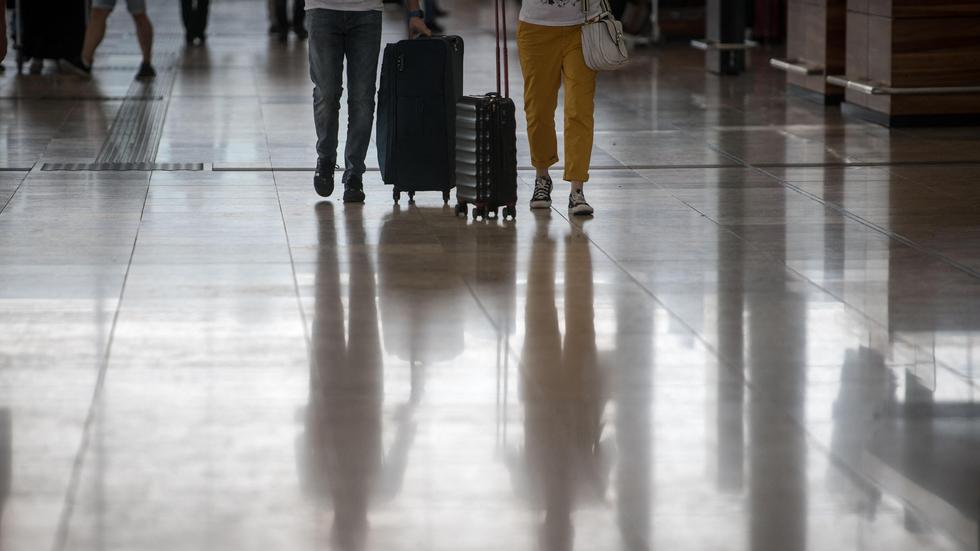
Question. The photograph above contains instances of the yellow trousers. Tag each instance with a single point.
(551, 56)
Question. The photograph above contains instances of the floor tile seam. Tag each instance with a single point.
(242, 167)
(285, 228)
(850, 307)
(16, 189)
(64, 521)
(54, 135)
(843, 211)
(753, 388)
(918, 182)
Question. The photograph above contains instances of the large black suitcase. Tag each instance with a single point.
(421, 80)
(49, 30)
(486, 144)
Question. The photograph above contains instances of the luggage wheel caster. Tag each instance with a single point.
(492, 214)
(396, 195)
(511, 212)
(478, 213)
(411, 197)
(445, 197)
(461, 209)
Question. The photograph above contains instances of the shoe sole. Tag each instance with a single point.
(581, 210)
(354, 199)
(540, 204)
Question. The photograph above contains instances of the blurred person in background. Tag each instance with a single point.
(95, 32)
(194, 14)
(282, 24)
(432, 13)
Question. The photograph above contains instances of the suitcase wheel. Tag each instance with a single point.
(461, 209)
(411, 197)
(510, 211)
(445, 196)
(492, 214)
(478, 212)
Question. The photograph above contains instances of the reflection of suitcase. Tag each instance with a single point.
(49, 30)
(486, 144)
(420, 294)
(421, 80)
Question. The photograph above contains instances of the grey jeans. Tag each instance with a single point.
(335, 35)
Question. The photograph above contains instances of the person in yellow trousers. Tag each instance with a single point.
(549, 40)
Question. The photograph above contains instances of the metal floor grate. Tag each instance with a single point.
(99, 167)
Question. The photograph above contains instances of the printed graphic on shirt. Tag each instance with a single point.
(557, 13)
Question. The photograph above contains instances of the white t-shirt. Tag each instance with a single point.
(345, 5)
(555, 13)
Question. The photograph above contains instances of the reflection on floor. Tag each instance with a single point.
(767, 338)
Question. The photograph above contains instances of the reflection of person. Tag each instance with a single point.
(346, 461)
(549, 39)
(3, 34)
(194, 14)
(95, 32)
(561, 388)
(348, 29)
(866, 389)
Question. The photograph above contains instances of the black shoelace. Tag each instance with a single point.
(542, 191)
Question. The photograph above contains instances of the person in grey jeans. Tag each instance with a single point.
(351, 29)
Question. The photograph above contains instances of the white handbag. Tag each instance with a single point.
(603, 44)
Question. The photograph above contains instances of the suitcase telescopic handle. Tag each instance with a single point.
(500, 21)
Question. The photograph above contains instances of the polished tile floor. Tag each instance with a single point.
(767, 339)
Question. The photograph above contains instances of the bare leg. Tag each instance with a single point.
(577, 186)
(144, 32)
(94, 34)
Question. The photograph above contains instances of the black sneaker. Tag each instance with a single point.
(354, 190)
(77, 66)
(577, 205)
(146, 72)
(541, 197)
(301, 32)
(323, 178)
